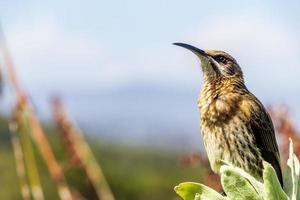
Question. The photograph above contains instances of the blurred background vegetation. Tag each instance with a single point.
(133, 172)
(130, 93)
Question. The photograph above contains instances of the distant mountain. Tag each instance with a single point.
(136, 113)
(145, 114)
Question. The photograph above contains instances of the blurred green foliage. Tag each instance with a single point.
(133, 172)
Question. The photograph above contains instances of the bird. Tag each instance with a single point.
(235, 126)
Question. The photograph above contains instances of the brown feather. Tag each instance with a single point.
(263, 130)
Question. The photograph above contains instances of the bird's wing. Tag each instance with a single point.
(263, 130)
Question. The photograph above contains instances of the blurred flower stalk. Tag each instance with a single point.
(79, 151)
(25, 127)
(31, 128)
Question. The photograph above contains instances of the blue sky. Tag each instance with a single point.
(108, 45)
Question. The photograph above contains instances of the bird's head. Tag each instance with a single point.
(216, 64)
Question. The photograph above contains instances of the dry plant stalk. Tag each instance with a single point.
(80, 152)
(53, 166)
(36, 128)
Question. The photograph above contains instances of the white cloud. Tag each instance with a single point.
(46, 54)
(45, 40)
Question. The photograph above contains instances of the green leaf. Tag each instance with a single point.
(196, 191)
(291, 181)
(257, 184)
(236, 186)
(288, 182)
(273, 190)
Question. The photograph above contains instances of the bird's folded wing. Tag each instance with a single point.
(263, 131)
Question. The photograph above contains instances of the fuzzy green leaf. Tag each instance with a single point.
(273, 190)
(196, 191)
(291, 181)
(257, 184)
(236, 186)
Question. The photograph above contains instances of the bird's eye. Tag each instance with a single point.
(221, 59)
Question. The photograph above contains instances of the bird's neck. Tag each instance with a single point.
(220, 85)
(221, 88)
(219, 98)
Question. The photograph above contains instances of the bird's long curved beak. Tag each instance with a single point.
(195, 50)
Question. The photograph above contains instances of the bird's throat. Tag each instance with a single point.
(210, 71)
